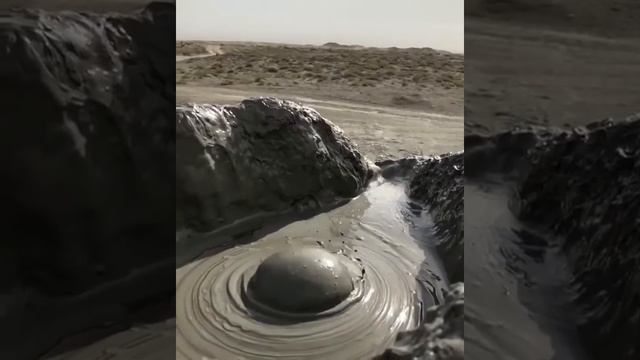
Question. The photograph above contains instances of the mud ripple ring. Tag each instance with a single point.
(356, 309)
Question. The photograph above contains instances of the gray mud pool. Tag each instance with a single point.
(385, 246)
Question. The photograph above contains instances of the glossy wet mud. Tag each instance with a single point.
(380, 240)
(519, 284)
(303, 280)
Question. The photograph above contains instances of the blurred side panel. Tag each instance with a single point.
(87, 139)
(552, 192)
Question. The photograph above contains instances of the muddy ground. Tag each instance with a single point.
(391, 102)
(557, 63)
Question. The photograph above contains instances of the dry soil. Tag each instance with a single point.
(392, 102)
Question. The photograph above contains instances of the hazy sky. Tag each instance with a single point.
(437, 24)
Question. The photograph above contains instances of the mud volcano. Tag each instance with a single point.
(354, 263)
(552, 224)
(302, 280)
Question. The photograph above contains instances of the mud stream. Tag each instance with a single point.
(520, 302)
(386, 243)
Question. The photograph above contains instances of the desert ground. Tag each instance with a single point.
(561, 63)
(391, 102)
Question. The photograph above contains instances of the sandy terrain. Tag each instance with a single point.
(548, 71)
(391, 102)
(380, 132)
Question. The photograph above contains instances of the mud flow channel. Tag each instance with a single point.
(521, 295)
(380, 244)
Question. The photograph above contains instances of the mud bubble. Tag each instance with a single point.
(373, 254)
(304, 280)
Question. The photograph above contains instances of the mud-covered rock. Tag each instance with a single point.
(438, 184)
(441, 337)
(87, 153)
(585, 186)
(262, 156)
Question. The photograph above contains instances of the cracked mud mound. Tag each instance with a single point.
(87, 146)
(263, 156)
(553, 256)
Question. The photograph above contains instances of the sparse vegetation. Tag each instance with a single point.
(383, 72)
(189, 48)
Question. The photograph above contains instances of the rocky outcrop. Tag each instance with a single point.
(441, 337)
(585, 186)
(87, 139)
(438, 185)
(263, 156)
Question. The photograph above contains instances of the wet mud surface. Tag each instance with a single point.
(382, 231)
(435, 187)
(518, 282)
(87, 105)
(438, 185)
(387, 248)
(440, 337)
(551, 218)
(375, 248)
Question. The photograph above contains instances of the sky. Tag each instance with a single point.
(437, 24)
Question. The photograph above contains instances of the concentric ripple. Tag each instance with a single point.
(216, 320)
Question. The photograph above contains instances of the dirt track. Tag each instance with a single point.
(392, 102)
(380, 132)
(550, 62)
(533, 76)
